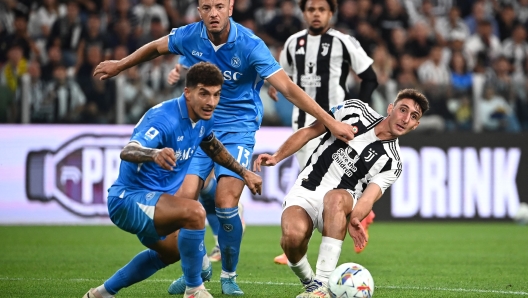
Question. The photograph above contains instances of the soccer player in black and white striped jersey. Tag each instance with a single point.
(341, 180)
(318, 60)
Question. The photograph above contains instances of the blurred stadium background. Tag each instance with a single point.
(62, 129)
(467, 159)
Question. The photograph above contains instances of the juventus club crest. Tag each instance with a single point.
(326, 47)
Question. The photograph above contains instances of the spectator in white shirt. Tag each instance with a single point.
(148, 9)
(433, 72)
(515, 49)
(483, 46)
(495, 113)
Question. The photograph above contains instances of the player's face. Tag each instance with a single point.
(404, 116)
(317, 15)
(202, 101)
(215, 14)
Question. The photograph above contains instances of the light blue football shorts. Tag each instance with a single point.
(133, 211)
(239, 144)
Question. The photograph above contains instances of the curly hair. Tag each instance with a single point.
(204, 73)
(332, 3)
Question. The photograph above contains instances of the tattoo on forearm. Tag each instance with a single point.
(216, 150)
(137, 154)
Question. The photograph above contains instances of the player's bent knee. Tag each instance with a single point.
(194, 216)
(292, 237)
(337, 201)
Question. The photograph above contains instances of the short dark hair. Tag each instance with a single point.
(204, 73)
(415, 95)
(331, 3)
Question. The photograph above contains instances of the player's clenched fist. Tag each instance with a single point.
(108, 69)
(174, 75)
(253, 181)
(264, 160)
(165, 158)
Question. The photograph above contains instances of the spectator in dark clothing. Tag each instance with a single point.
(123, 36)
(506, 21)
(282, 26)
(66, 33)
(54, 60)
(243, 11)
(393, 16)
(92, 36)
(100, 95)
(20, 37)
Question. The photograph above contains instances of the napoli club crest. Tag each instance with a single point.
(235, 62)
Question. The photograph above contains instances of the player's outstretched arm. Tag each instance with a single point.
(134, 152)
(219, 154)
(363, 207)
(293, 144)
(151, 50)
(298, 97)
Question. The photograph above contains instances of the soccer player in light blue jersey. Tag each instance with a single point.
(245, 62)
(142, 200)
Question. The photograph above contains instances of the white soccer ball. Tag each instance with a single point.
(521, 216)
(351, 280)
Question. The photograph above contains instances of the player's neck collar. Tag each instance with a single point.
(182, 105)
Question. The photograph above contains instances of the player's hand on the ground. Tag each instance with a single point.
(174, 75)
(342, 131)
(357, 232)
(253, 181)
(165, 158)
(108, 69)
(265, 160)
(272, 92)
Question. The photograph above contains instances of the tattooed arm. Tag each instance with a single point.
(219, 154)
(134, 152)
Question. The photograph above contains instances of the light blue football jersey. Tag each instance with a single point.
(165, 125)
(245, 61)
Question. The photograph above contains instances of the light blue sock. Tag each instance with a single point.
(229, 237)
(142, 266)
(207, 198)
(192, 251)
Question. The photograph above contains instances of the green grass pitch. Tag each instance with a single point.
(405, 259)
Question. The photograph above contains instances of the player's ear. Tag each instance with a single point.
(390, 108)
(414, 127)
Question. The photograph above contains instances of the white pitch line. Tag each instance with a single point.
(289, 284)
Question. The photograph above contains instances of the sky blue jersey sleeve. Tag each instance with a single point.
(175, 41)
(264, 63)
(209, 134)
(150, 135)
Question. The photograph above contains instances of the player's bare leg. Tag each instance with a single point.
(191, 186)
(297, 227)
(171, 214)
(228, 194)
(337, 206)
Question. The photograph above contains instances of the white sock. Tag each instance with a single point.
(189, 290)
(329, 252)
(102, 290)
(216, 240)
(302, 269)
(225, 274)
(205, 262)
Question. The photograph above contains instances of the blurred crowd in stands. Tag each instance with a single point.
(468, 56)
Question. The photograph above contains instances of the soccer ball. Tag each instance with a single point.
(350, 280)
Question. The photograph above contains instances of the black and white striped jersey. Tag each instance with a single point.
(320, 65)
(353, 165)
